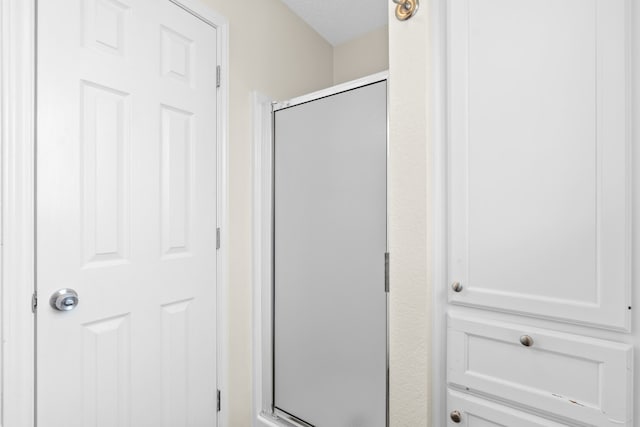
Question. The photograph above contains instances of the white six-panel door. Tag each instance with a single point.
(126, 214)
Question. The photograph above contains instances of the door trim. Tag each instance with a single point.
(437, 84)
(17, 91)
(18, 192)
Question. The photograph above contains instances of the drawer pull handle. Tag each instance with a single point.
(456, 417)
(526, 340)
(457, 286)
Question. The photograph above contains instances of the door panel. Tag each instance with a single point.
(539, 146)
(329, 259)
(106, 181)
(126, 214)
(575, 377)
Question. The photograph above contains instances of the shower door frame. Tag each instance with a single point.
(264, 412)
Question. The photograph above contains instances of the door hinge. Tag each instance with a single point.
(218, 400)
(34, 302)
(386, 272)
(217, 238)
(218, 77)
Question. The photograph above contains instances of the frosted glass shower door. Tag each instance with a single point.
(330, 239)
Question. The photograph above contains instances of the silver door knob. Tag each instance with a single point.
(526, 340)
(456, 417)
(457, 287)
(64, 299)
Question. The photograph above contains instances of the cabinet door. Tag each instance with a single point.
(574, 377)
(475, 412)
(539, 147)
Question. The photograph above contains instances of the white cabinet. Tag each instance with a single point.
(540, 139)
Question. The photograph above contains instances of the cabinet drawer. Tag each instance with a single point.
(476, 412)
(570, 376)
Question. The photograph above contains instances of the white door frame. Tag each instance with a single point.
(438, 226)
(18, 197)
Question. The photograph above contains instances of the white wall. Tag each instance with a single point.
(364, 55)
(273, 51)
(410, 233)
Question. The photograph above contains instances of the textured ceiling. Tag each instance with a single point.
(340, 21)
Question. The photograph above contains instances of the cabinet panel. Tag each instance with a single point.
(476, 412)
(539, 142)
(571, 376)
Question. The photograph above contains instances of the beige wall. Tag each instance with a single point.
(272, 51)
(409, 219)
(367, 54)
